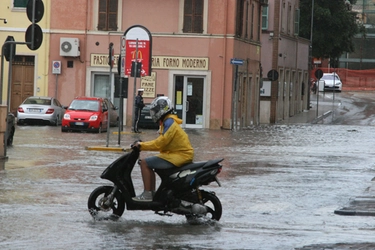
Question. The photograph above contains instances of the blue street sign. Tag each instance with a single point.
(236, 61)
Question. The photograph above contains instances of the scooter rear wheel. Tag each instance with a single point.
(97, 203)
(213, 205)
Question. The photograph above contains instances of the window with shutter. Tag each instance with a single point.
(107, 20)
(193, 16)
(20, 3)
(240, 17)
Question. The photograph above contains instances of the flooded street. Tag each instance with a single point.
(280, 187)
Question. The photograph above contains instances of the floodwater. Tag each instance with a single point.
(280, 187)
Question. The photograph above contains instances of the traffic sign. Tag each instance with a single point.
(273, 75)
(318, 73)
(56, 67)
(236, 61)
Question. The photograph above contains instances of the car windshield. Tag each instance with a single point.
(37, 101)
(331, 77)
(89, 105)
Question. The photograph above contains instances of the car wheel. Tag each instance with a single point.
(64, 129)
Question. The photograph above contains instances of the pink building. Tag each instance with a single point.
(286, 53)
(193, 42)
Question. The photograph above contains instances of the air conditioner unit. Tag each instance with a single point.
(69, 47)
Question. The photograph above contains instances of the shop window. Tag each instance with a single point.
(107, 20)
(101, 86)
(193, 16)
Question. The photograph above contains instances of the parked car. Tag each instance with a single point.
(330, 81)
(40, 109)
(145, 121)
(89, 114)
(11, 128)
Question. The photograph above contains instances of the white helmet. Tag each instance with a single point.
(160, 106)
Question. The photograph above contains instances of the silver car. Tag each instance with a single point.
(40, 109)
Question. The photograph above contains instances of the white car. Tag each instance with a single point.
(330, 81)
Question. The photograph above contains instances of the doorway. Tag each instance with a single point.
(22, 85)
(189, 100)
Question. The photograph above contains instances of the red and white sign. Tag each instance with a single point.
(138, 48)
(56, 67)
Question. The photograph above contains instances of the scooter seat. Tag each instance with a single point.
(193, 165)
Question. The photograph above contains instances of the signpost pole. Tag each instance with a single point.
(110, 60)
(135, 82)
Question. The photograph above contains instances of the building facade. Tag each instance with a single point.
(284, 52)
(206, 56)
(193, 44)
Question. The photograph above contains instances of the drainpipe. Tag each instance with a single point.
(224, 61)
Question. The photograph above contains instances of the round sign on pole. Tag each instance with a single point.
(273, 75)
(38, 11)
(318, 73)
(38, 36)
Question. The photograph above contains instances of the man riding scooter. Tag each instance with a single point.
(173, 144)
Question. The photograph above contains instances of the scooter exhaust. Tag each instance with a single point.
(198, 209)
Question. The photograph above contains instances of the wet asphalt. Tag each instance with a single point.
(326, 111)
(59, 197)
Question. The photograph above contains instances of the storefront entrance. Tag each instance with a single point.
(189, 100)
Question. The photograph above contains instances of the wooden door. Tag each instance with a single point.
(22, 81)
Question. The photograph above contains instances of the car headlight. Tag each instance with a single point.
(338, 83)
(67, 116)
(93, 118)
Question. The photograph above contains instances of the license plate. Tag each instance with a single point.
(147, 117)
(35, 110)
(79, 123)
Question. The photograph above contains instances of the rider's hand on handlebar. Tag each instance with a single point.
(136, 144)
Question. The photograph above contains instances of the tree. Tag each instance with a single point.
(334, 27)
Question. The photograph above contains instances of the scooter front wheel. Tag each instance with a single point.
(99, 204)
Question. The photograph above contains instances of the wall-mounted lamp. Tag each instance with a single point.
(5, 21)
(271, 35)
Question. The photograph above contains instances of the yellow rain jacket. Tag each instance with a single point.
(173, 143)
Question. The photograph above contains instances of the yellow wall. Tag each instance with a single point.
(16, 27)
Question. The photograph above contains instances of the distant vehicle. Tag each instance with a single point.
(330, 81)
(11, 128)
(145, 121)
(89, 114)
(40, 109)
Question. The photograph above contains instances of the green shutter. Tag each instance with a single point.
(20, 3)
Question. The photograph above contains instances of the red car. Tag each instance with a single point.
(89, 114)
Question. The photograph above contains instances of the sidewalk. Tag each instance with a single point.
(315, 114)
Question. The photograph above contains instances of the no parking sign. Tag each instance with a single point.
(56, 67)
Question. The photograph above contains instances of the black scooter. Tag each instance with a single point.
(179, 191)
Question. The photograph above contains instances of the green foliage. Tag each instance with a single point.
(334, 27)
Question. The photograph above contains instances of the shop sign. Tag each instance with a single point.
(159, 62)
(182, 63)
(102, 60)
(148, 83)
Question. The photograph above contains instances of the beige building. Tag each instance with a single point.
(29, 71)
